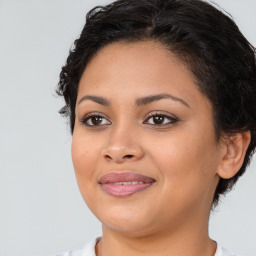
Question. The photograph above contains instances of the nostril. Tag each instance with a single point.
(108, 157)
(128, 156)
(118, 159)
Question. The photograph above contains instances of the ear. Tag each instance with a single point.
(233, 150)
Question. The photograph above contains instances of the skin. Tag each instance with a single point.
(183, 156)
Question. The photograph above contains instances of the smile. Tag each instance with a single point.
(124, 184)
(128, 183)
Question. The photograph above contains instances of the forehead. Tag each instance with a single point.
(136, 70)
(147, 56)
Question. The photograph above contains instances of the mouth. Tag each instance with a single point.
(125, 183)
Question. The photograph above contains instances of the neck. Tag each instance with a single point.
(189, 240)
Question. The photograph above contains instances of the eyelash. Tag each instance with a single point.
(171, 120)
(88, 117)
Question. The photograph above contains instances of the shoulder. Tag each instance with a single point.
(221, 251)
(87, 250)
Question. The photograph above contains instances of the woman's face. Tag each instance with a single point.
(144, 148)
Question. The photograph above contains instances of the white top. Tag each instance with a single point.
(89, 250)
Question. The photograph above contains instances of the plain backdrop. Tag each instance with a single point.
(41, 210)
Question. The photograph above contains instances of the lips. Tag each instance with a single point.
(124, 183)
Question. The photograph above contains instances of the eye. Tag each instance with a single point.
(95, 120)
(160, 119)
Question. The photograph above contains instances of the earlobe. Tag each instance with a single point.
(233, 152)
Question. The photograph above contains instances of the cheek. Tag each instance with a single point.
(187, 164)
(84, 157)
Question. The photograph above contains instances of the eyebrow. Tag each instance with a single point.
(139, 102)
(147, 100)
(96, 99)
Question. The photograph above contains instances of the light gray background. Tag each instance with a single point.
(41, 210)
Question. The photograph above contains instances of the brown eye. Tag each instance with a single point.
(160, 120)
(95, 120)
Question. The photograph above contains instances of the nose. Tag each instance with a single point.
(122, 146)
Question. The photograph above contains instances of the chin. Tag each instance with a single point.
(128, 229)
(128, 221)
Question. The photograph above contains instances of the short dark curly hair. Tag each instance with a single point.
(205, 39)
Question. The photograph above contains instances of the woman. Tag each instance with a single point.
(160, 96)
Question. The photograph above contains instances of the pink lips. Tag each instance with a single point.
(125, 183)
